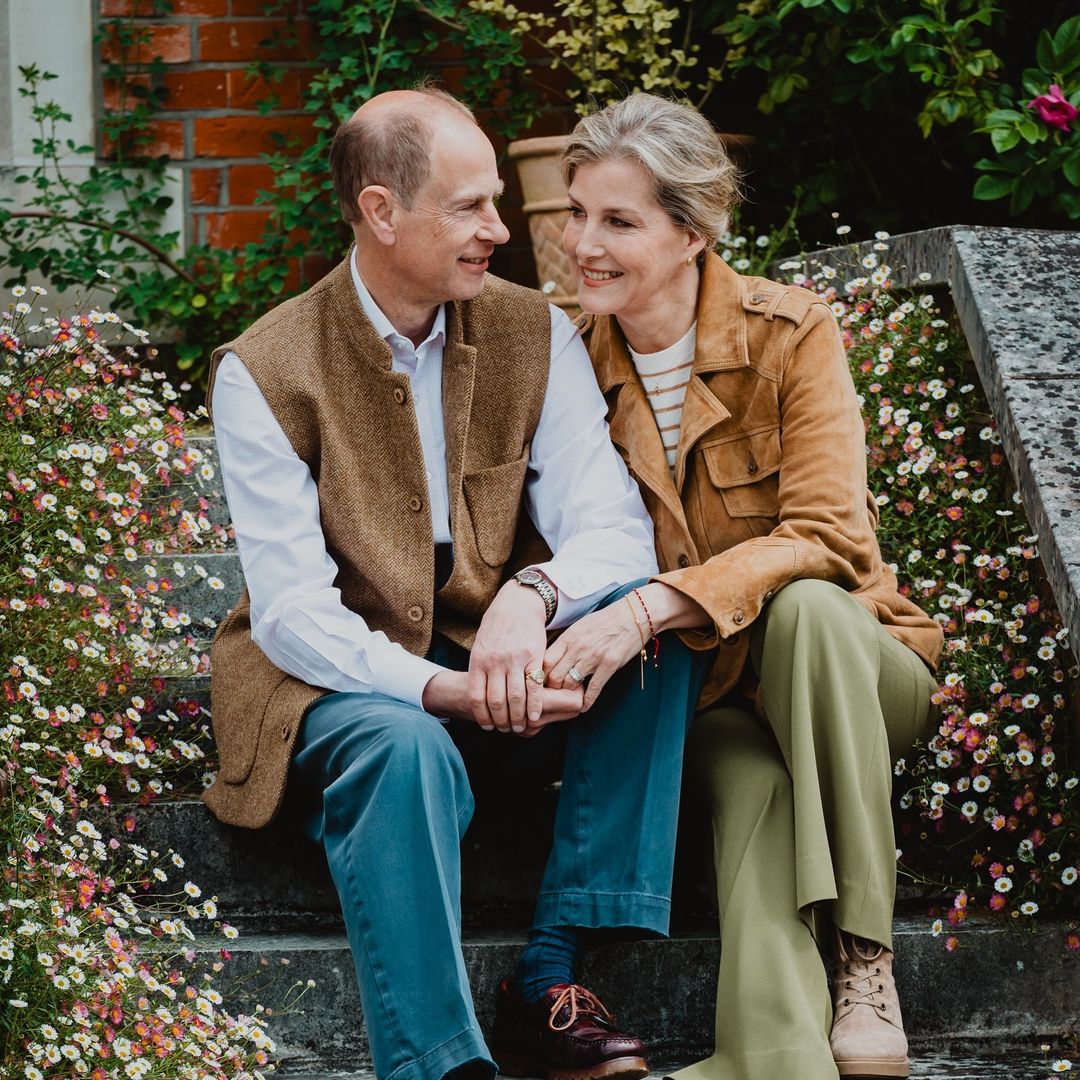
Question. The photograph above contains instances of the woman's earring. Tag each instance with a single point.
(689, 260)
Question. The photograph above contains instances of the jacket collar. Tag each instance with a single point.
(721, 329)
(721, 346)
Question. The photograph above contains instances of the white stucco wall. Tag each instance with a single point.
(57, 36)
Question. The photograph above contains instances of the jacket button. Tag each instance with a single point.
(751, 466)
(684, 561)
(738, 618)
(416, 613)
(757, 298)
(415, 504)
(286, 731)
(399, 395)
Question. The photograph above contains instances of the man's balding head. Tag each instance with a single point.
(387, 141)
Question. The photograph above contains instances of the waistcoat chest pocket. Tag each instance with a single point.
(493, 497)
(745, 468)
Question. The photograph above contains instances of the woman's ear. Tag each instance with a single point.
(378, 209)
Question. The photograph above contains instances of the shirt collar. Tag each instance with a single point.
(383, 326)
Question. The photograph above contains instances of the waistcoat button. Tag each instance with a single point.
(286, 731)
(415, 504)
(416, 613)
(751, 466)
(684, 561)
(757, 298)
(738, 617)
(399, 395)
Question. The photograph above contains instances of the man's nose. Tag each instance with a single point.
(493, 229)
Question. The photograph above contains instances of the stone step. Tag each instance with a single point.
(1018, 1065)
(272, 879)
(999, 990)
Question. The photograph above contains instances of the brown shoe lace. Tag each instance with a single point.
(580, 1001)
(856, 962)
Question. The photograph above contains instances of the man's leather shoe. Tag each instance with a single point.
(566, 1035)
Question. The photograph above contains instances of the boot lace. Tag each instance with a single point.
(580, 1002)
(861, 972)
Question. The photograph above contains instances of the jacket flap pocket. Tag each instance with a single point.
(744, 469)
(493, 497)
(743, 460)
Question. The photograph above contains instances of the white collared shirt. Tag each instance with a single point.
(577, 492)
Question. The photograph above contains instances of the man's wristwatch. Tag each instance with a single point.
(534, 579)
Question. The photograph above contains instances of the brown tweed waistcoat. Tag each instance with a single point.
(327, 377)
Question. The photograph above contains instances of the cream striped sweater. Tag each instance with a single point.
(665, 376)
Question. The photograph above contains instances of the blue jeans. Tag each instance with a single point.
(388, 797)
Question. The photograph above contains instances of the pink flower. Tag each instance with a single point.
(1053, 109)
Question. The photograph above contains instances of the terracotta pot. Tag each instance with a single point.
(544, 192)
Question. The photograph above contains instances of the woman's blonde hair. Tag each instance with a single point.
(696, 182)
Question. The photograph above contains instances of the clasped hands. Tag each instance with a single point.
(497, 691)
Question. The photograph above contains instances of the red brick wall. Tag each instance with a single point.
(209, 123)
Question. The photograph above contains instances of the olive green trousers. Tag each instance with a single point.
(802, 823)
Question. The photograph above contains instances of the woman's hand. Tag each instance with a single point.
(596, 646)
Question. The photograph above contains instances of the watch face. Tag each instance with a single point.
(529, 577)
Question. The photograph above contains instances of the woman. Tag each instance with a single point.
(731, 401)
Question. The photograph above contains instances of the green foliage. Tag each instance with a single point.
(608, 48)
(1035, 154)
(860, 76)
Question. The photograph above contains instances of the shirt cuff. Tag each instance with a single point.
(405, 676)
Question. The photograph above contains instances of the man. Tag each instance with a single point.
(379, 436)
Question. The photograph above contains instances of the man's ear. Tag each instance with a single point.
(378, 209)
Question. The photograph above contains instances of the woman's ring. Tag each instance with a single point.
(537, 676)
(576, 675)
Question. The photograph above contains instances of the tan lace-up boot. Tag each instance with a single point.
(868, 1039)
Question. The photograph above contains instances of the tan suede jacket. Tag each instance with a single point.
(770, 477)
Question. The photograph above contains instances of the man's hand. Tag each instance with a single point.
(447, 694)
(511, 641)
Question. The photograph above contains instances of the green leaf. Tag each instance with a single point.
(950, 109)
(1002, 116)
(1066, 34)
(1022, 196)
(1044, 51)
(782, 87)
(1071, 169)
(1029, 130)
(1004, 139)
(1068, 59)
(992, 187)
(861, 53)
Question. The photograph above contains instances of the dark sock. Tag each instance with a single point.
(549, 958)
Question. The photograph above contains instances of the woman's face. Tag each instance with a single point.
(624, 249)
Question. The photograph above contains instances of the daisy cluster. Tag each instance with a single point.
(99, 973)
(104, 515)
(989, 807)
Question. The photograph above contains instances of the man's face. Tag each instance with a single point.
(444, 242)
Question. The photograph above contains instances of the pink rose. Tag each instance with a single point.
(1053, 109)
